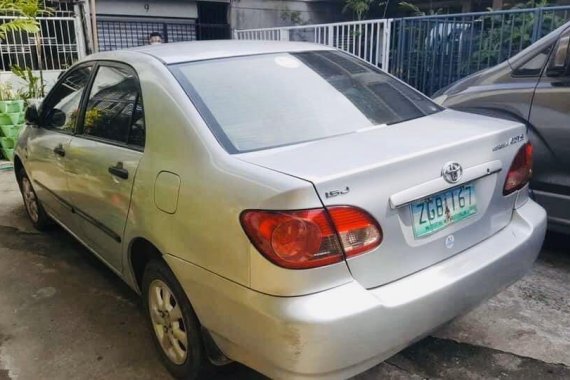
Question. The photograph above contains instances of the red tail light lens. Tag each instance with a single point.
(307, 239)
(293, 239)
(358, 231)
(520, 170)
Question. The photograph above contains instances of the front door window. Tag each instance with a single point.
(61, 109)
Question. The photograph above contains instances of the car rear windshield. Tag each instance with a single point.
(269, 100)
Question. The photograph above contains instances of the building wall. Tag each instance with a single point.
(243, 14)
(248, 14)
(128, 23)
(148, 8)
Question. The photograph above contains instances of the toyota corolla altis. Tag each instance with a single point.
(284, 205)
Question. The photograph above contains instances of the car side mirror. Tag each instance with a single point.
(32, 115)
(57, 118)
(559, 63)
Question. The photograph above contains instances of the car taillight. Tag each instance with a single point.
(358, 231)
(310, 238)
(520, 170)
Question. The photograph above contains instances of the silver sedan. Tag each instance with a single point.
(284, 205)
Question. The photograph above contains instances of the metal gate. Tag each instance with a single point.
(120, 32)
(432, 52)
(59, 43)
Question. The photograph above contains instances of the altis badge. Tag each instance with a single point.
(513, 140)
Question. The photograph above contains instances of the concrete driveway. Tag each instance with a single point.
(64, 315)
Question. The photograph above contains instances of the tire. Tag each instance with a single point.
(169, 321)
(34, 208)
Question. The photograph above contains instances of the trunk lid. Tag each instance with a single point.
(381, 170)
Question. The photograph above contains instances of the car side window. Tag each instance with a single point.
(559, 64)
(533, 67)
(114, 110)
(138, 133)
(61, 109)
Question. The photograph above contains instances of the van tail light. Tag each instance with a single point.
(520, 170)
(311, 238)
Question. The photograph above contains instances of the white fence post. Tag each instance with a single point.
(283, 35)
(386, 38)
(330, 37)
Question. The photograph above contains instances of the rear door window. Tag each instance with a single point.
(114, 109)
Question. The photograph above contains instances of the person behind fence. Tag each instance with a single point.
(154, 38)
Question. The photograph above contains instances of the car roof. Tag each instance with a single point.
(178, 52)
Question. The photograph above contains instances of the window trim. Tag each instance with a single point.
(110, 142)
(541, 71)
(50, 95)
(79, 126)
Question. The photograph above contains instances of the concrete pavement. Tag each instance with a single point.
(64, 315)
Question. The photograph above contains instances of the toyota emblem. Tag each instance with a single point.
(452, 172)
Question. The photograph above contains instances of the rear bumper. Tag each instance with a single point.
(557, 207)
(346, 330)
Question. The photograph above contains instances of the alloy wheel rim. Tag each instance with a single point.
(167, 321)
(30, 200)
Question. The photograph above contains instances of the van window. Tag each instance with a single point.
(534, 66)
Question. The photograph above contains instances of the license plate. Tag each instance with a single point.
(440, 210)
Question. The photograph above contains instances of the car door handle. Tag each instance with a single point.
(119, 171)
(59, 150)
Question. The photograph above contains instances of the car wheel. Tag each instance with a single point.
(34, 208)
(175, 327)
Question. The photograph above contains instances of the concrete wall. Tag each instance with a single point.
(148, 8)
(249, 14)
(50, 77)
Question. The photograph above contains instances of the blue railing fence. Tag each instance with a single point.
(431, 52)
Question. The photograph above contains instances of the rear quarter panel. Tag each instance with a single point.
(214, 189)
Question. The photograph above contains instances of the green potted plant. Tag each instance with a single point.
(8, 103)
(12, 106)
(11, 116)
(33, 88)
(7, 144)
